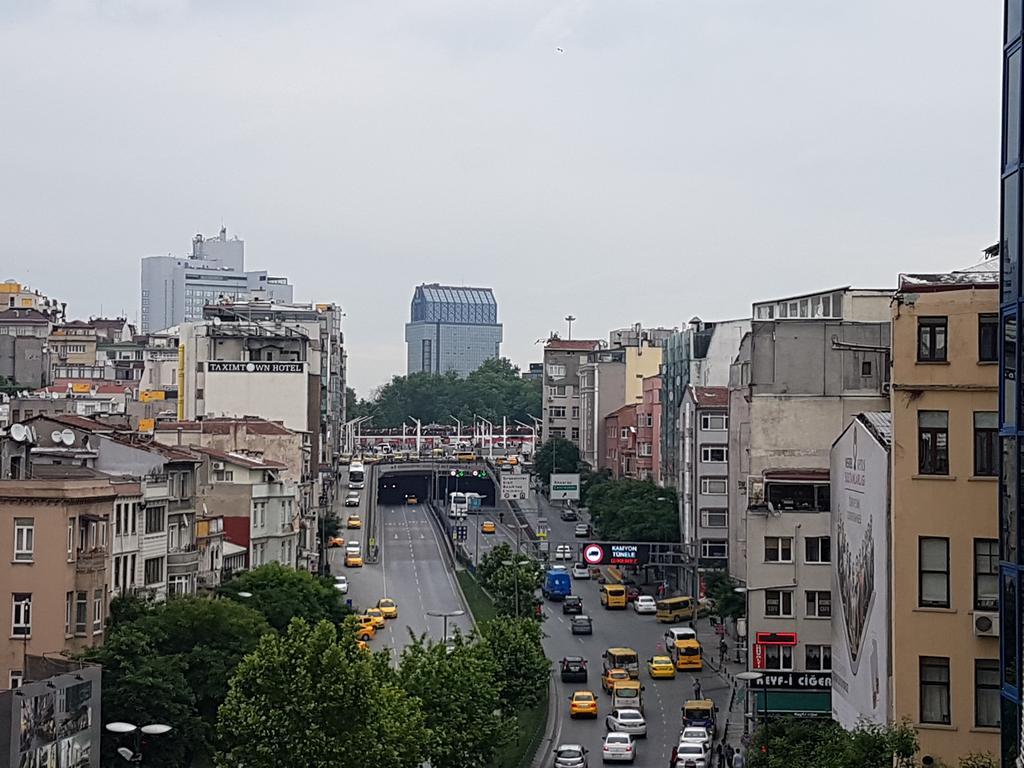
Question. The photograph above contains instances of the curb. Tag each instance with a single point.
(547, 740)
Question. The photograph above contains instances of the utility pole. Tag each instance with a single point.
(570, 319)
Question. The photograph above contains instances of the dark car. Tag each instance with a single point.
(574, 669)
(581, 625)
(569, 515)
(572, 604)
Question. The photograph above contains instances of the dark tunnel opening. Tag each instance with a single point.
(398, 487)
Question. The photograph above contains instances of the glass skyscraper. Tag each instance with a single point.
(452, 328)
(1010, 418)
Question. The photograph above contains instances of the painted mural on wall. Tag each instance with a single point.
(55, 728)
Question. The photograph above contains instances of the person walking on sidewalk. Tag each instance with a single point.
(697, 692)
(738, 761)
(723, 650)
(729, 753)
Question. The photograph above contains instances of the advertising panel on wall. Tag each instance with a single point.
(860, 573)
(275, 389)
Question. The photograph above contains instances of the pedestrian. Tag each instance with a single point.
(723, 650)
(697, 689)
(738, 761)
(729, 752)
(719, 756)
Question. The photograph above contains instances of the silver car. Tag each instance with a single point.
(618, 747)
(691, 750)
(626, 721)
(341, 584)
(571, 756)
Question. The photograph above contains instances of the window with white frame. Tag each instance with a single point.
(97, 611)
(819, 604)
(818, 549)
(21, 614)
(714, 518)
(153, 570)
(558, 391)
(69, 611)
(714, 549)
(714, 422)
(557, 412)
(818, 658)
(24, 538)
(778, 658)
(644, 449)
(624, 433)
(714, 486)
(778, 549)
(714, 453)
(17, 677)
(71, 538)
(778, 603)
(81, 611)
(556, 371)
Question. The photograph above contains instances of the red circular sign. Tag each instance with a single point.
(593, 554)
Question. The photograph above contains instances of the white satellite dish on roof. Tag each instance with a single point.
(19, 432)
(55, 436)
(67, 437)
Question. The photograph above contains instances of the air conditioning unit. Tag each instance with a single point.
(986, 624)
(218, 465)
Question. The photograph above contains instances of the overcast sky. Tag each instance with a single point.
(678, 158)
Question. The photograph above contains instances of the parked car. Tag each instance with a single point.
(571, 756)
(618, 747)
(626, 721)
(581, 625)
(580, 571)
(574, 669)
(645, 604)
(563, 552)
(573, 604)
(582, 530)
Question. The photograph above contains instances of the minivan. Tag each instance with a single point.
(613, 596)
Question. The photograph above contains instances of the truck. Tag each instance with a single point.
(557, 585)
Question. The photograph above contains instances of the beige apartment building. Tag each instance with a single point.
(944, 521)
(54, 566)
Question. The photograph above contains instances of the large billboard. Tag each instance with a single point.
(860, 575)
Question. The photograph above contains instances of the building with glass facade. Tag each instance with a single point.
(1011, 564)
(452, 328)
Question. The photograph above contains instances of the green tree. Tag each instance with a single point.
(460, 694)
(787, 742)
(634, 510)
(721, 587)
(309, 697)
(978, 760)
(281, 594)
(556, 455)
(502, 581)
(523, 669)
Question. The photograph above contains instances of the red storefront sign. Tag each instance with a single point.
(758, 660)
(776, 638)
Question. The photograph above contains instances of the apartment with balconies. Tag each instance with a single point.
(561, 406)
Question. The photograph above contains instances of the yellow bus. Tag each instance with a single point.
(622, 658)
(466, 456)
(686, 655)
(673, 609)
(613, 596)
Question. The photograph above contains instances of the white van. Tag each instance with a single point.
(678, 633)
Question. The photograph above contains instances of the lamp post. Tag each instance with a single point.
(445, 615)
(458, 425)
(752, 676)
(515, 578)
(135, 755)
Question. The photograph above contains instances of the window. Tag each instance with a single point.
(988, 338)
(558, 391)
(714, 486)
(986, 574)
(931, 339)
(714, 518)
(715, 453)
(644, 449)
(81, 609)
(819, 604)
(933, 577)
(778, 549)
(224, 475)
(97, 611)
(153, 570)
(818, 549)
(71, 538)
(624, 434)
(560, 432)
(21, 614)
(818, 658)
(259, 510)
(986, 693)
(986, 443)
(865, 368)
(69, 611)
(557, 412)
(556, 371)
(17, 677)
(778, 658)
(24, 538)
(714, 422)
(933, 442)
(155, 519)
(575, 432)
(778, 603)
(714, 549)
(934, 690)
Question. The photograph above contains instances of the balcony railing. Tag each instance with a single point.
(91, 560)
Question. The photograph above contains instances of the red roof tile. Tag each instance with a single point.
(254, 425)
(711, 397)
(573, 344)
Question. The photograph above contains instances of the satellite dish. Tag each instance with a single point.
(67, 437)
(217, 320)
(55, 436)
(19, 432)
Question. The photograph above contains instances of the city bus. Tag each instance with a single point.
(356, 475)
(458, 505)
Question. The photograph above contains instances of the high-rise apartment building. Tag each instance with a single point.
(561, 407)
(176, 288)
(452, 328)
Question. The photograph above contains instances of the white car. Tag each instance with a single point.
(353, 548)
(563, 552)
(691, 750)
(679, 633)
(341, 584)
(580, 571)
(619, 748)
(626, 721)
(696, 735)
(352, 500)
(645, 604)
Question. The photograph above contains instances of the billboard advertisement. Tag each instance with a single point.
(860, 541)
(614, 553)
(565, 487)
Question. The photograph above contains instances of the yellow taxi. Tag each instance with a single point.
(612, 676)
(376, 616)
(583, 704)
(487, 526)
(365, 630)
(661, 666)
(362, 646)
(411, 500)
(388, 608)
(353, 522)
(335, 541)
(353, 560)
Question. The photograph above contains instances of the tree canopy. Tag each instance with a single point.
(493, 390)
(556, 455)
(281, 594)
(523, 669)
(502, 581)
(721, 587)
(634, 510)
(789, 742)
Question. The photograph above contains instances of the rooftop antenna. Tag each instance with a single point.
(570, 319)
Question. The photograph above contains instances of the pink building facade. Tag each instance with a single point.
(648, 442)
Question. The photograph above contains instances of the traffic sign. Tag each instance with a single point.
(593, 554)
(514, 487)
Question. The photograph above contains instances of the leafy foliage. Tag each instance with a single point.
(502, 581)
(310, 697)
(460, 694)
(803, 743)
(978, 760)
(493, 390)
(634, 510)
(556, 454)
(523, 669)
(281, 594)
(721, 587)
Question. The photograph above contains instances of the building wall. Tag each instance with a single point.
(710, 537)
(602, 387)
(442, 347)
(567, 382)
(739, 458)
(958, 506)
(649, 426)
(23, 361)
(641, 362)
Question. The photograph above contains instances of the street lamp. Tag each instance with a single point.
(446, 615)
(135, 755)
(752, 676)
(458, 424)
(515, 578)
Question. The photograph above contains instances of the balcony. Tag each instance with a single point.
(91, 560)
(182, 561)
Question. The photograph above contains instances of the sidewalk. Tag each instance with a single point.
(731, 715)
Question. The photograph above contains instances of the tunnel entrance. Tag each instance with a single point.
(397, 487)
(394, 489)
